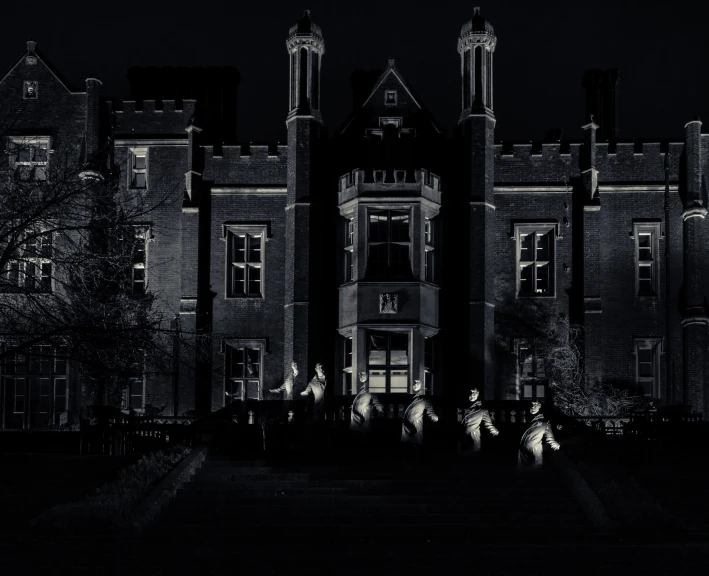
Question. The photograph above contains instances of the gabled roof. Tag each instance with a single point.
(32, 51)
(391, 71)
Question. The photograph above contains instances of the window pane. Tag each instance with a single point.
(253, 365)
(399, 381)
(526, 362)
(378, 261)
(253, 390)
(544, 247)
(233, 391)
(526, 247)
(138, 281)
(540, 391)
(429, 266)
(527, 391)
(349, 233)
(60, 395)
(254, 280)
(377, 349)
(238, 280)
(428, 381)
(645, 272)
(139, 180)
(347, 383)
(399, 227)
(46, 281)
(60, 361)
(526, 279)
(139, 162)
(399, 349)
(46, 246)
(347, 346)
(39, 153)
(348, 266)
(644, 240)
(238, 248)
(543, 279)
(428, 232)
(19, 403)
(378, 227)
(428, 353)
(255, 248)
(44, 395)
(377, 381)
(400, 263)
(237, 363)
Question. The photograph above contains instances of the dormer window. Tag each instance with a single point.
(390, 98)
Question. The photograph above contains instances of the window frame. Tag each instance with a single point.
(429, 249)
(536, 229)
(386, 97)
(145, 230)
(537, 380)
(388, 276)
(249, 231)
(129, 388)
(229, 380)
(652, 229)
(15, 142)
(133, 153)
(31, 255)
(429, 364)
(349, 247)
(656, 346)
(388, 367)
(350, 384)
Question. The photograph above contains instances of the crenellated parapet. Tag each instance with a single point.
(153, 117)
(639, 162)
(249, 164)
(372, 183)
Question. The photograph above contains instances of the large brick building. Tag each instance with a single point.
(392, 248)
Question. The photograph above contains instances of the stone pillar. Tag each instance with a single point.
(695, 319)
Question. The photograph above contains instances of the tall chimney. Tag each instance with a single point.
(602, 101)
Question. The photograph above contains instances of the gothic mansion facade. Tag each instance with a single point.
(392, 248)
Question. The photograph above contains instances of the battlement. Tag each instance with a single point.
(251, 151)
(152, 116)
(360, 182)
(560, 161)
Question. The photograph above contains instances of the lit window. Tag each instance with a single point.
(530, 371)
(388, 361)
(243, 373)
(138, 167)
(646, 250)
(647, 367)
(139, 260)
(390, 97)
(245, 262)
(535, 258)
(29, 267)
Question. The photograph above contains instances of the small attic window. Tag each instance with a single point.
(30, 90)
(390, 97)
(31, 60)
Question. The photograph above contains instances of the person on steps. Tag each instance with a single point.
(530, 447)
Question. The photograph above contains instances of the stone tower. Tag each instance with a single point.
(476, 46)
(306, 48)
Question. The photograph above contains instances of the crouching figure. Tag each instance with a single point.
(474, 418)
(420, 409)
(530, 447)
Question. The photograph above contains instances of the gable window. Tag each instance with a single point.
(35, 387)
(30, 90)
(349, 250)
(245, 260)
(29, 267)
(243, 372)
(535, 259)
(646, 252)
(388, 361)
(647, 363)
(138, 158)
(390, 97)
(429, 250)
(389, 245)
(530, 371)
(28, 157)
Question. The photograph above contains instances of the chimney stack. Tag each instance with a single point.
(602, 101)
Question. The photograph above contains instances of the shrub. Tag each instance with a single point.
(114, 502)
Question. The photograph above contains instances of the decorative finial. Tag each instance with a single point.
(31, 45)
(391, 62)
(476, 10)
(591, 117)
(307, 13)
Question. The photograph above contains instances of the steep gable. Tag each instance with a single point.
(391, 97)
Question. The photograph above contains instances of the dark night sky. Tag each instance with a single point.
(543, 49)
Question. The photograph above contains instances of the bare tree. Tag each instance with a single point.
(559, 348)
